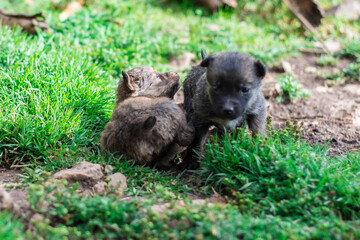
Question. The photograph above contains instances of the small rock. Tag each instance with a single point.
(352, 88)
(6, 201)
(349, 9)
(160, 208)
(19, 197)
(181, 63)
(200, 202)
(270, 86)
(310, 69)
(117, 181)
(286, 66)
(218, 199)
(86, 192)
(37, 217)
(109, 169)
(84, 172)
(332, 46)
(323, 89)
(100, 187)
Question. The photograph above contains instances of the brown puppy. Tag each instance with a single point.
(224, 91)
(146, 81)
(145, 127)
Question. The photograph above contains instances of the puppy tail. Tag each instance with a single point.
(203, 55)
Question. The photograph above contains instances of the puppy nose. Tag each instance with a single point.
(228, 111)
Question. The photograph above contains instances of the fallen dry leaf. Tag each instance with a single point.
(309, 13)
(308, 9)
(70, 9)
(26, 22)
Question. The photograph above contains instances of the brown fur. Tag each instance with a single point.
(145, 127)
(146, 81)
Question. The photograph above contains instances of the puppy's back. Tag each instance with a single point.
(142, 128)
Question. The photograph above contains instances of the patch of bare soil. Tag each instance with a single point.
(8, 176)
(331, 114)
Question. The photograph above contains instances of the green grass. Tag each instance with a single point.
(58, 88)
(284, 177)
(10, 229)
(81, 217)
(328, 60)
(57, 93)
(50, 99)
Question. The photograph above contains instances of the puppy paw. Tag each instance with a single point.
(189, 165)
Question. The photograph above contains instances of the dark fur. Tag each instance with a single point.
(224, 90)
(145, 127)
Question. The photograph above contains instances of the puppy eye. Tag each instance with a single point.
(216, 87)
(244, 89)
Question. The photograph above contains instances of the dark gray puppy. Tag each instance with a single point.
(224, 91)
(146, 127)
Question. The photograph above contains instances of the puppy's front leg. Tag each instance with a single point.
(191, 159)
(257, 123)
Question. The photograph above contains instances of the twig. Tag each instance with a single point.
(307, 24)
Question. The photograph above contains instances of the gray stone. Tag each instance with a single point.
(310, 69)
(350, 10)
(270, 86)
(6, 202)
(108, 169)
(287, 67)
(84, 173)
(100, 187)
(36, 218)
(118, 182)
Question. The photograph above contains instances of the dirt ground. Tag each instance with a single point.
(331, 114)
(8, 176)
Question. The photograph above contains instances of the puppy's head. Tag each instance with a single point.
(234, 80)
(146, 81)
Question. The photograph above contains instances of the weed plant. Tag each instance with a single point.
(290, 89)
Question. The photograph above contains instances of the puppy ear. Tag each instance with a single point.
(128, 81)
(206, 61)
(260, 69)
(203, 55)
(149, 123)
